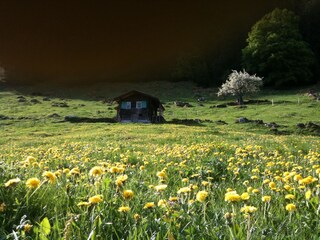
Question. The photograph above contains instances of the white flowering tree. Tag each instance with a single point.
(240, 83)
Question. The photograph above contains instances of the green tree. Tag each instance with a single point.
(277, 51)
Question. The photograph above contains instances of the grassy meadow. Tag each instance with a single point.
(206, 177)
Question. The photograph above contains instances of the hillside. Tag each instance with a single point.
(200, 175)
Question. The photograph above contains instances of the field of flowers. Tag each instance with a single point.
(60, 180)
(205, 187)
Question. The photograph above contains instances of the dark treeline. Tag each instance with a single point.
(76, 43)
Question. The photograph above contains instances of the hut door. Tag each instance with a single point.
(135, 115)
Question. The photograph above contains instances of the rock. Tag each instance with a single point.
(182, 104)
(22, 100)
(274, 130)
(54, 115)
(60, 104)
(258, 121)
(300, 125)
(3, 117)
(189, 121)
(312, 126)
(271, 125)
(242, 120)
(35, 101)
(221, 105)
(221, 122)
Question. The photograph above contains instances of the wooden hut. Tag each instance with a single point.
(135, 106)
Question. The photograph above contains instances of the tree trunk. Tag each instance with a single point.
(240, 100)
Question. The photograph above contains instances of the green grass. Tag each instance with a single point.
(207, 157)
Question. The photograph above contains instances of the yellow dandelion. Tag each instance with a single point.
(83, 204)
(245, 183)
(114, 169)
(184, 190)
(33, 183)
(128, 194)
(266, 198)
(245, 196)
(12, 182)
(297, 177)
(95, 199)
(193, 187)
(96, 171)
(290, 197)
(278, 178)
(2, 207)
(232, 196)
(173, 199)
(121, 179)
(205, 183)
(185, 180)
(287, 187)
(201, 196)
(248, 209)
(75, 171)
(266, 181)
(160, 187)
(149, 205)
(50, 176)
(161, 174)
(254, 177)
(58, 173)
(229, 215)
(136, 216)
(30, 159)
(272, 185)
(307, 180)
(308, 194)
(291, 207)
(27, 227)
(162, 203)
(255, 190)
(124, 209)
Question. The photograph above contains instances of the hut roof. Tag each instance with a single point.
(127, 95)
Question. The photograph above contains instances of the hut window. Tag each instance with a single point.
(141, 104)
(125, 105)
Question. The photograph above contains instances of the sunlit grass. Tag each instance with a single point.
(164, 181)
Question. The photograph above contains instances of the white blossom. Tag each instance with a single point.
(240, 83)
